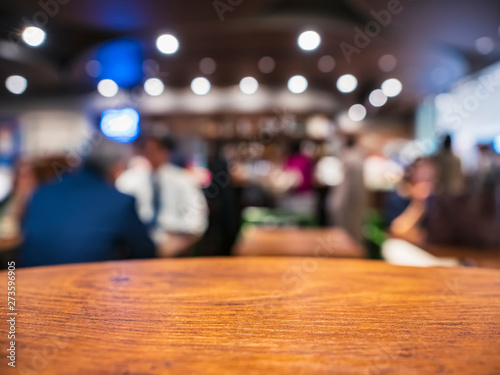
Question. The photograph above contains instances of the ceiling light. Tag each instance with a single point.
(387, 63)
(167, 44)
(16, 84)
(347, 83)
(377, 98)
(309, 40)
(249, 85)
(154, 86)
(326, 64)
(107, 88)
(357, 112)
(297, 84)
(33, 36)
(200, 86)
(266, 64)
(392, 87)
(207, 65)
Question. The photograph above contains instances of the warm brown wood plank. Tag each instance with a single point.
(255, 316)
(326, 242)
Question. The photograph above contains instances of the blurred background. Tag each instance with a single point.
(348, 128)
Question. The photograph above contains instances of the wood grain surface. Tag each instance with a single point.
(250, 315)
(326, 242)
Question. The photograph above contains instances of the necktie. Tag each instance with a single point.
(156, 199)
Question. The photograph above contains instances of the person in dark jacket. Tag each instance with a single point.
(83, 218)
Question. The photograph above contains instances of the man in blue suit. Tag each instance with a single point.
(83, 218)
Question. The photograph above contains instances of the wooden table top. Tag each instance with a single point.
(283, 241)
(248, 315)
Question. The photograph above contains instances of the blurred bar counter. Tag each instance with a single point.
(293, 241)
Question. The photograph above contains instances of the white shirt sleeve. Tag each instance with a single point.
(135, 182)
(185, 209)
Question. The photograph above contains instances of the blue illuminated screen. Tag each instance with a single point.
(120, 125)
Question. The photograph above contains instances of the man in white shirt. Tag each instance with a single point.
(169, 200)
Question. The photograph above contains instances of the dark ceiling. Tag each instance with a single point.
(433, 41)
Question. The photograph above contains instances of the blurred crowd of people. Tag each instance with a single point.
(98, 211)
(106, 208)
(437, 203)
